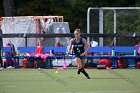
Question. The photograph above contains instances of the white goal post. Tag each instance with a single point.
(101, 19)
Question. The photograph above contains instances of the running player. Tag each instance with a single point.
(77, 44)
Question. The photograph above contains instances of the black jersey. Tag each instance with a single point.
(78, 47)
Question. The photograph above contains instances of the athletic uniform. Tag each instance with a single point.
(78, 48)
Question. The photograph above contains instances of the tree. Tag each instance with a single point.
(9, 7)
(74, 11)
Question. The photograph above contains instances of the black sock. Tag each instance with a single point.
(85, 73)
(79, 70)
(1, 62)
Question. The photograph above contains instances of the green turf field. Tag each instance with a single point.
(47, 81)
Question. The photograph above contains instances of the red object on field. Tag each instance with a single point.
(39, 49)
(138, 65)
(105, 62)
(121, 64)
(25, 63)
(39, 52)
(4, 63)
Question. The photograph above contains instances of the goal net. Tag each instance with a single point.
(34, 24)
(115, 20)
(11, 25)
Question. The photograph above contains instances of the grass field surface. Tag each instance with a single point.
(51, 81)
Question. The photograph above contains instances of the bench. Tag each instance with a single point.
(57, 50)
(105, 49)
(18, 56)
(93, 49)
(59, 54)
(9, 50)
(26, 49)
(126, 52)
(23, 50)
(103, 52)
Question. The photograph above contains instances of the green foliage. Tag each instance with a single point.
(34, 7)
(74, 11)
(1, 10)
(127, 21)
(109, 18)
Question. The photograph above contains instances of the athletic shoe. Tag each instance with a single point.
(10, 67)
(78, 72)
(88, 77)
(1, 68)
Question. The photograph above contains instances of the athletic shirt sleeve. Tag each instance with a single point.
(78, 47)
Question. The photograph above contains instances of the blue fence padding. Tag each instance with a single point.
(124, 48)
(47, 49)
(116, 48)
(63, 49)
(7, 49)
(100, 49)
(56, 49)
(26, 49)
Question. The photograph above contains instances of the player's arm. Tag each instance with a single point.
(87, 49)
(70, 45)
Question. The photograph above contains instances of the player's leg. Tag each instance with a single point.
(79, 65)
(82, 63)
(83, 70)
(1, 63)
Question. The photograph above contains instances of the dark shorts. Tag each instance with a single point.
(78, 56)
